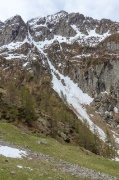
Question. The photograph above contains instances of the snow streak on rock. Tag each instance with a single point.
(92, 39)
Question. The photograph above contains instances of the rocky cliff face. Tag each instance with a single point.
(95, 71)
(12, 30)
(82, 48)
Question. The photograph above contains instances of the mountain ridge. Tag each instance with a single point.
(70, 19)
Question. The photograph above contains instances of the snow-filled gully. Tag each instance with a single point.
(74, 96)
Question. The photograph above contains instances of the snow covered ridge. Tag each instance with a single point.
(70, 26)
(12, 152)
(56, 16)
(52, 23)
(74, 97)
(50, 18)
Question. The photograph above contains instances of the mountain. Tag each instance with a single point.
(63, 55)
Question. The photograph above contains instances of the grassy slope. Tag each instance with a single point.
(44, 170)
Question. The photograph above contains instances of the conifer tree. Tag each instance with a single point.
(96, 141)
(110, 146)
(28, 106)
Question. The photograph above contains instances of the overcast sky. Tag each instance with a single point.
(32, 8)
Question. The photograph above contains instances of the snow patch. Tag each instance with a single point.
(116, 110)
(21, 167)
(13, 56)
(116, 159)
(82, 55)
(91, 39)
(25, 64)
(12, 152)
(117, 140)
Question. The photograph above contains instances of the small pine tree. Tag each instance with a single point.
(64, 97)
(11, 92)
(96, 141)
(86, 137)
(110, 146)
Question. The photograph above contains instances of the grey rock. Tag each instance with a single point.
(13, 172)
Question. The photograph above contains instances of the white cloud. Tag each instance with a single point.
(33, 8)
(96, 9)
(11, 7)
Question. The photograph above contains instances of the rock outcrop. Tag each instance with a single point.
(13, 30)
